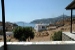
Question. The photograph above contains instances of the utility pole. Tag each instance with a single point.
(71, 21)
(3, 22)
(63, 19)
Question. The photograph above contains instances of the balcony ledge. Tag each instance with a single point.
(42, 43)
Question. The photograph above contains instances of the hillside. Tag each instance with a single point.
(51, 20)
(8, 25)
(41, 36)
(66, 22)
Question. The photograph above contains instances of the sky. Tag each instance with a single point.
(29, 10)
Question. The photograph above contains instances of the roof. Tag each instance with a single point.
(41, 24)
(71, 5)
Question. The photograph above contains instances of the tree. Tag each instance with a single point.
(23, 33)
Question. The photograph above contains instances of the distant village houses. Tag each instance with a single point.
(8, 26)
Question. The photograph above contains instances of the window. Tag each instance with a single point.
(43, 26)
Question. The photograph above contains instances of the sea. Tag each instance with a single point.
(26, 25)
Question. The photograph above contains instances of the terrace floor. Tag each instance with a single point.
(51, 45)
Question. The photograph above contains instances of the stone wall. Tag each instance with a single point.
(66, 38)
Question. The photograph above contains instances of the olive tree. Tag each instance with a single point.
(23, 33)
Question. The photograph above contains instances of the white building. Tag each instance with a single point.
(40, 27)
(9, 33)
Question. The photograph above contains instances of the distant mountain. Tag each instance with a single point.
(51, 20)
(20, 23)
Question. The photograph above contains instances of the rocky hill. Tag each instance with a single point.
(52, 20)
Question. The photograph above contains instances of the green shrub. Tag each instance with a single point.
(57, 36)
(23, 33)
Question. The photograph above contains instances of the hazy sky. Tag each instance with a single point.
(28, 10)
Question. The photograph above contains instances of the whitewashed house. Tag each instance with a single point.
(40, 27)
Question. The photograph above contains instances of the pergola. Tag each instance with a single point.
(71, 7)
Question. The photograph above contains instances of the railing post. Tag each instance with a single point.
(3, 22)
